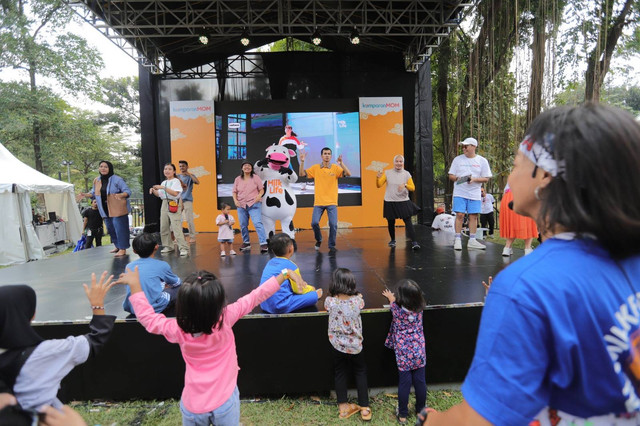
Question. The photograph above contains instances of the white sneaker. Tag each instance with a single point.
(184, 253)
(475, 244)
(166, 250)
(233, 253)
(223, 253)
(528, 251)
(507, 251)
(457, 244)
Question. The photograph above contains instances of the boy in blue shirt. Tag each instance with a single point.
(292, 295)
(159, 283)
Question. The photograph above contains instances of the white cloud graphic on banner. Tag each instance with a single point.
(176, 134)
(397, 129)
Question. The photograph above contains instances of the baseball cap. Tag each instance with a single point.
(469, 141)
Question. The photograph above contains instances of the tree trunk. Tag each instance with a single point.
(600, 57)
(448, 149)
(534, 103)
(37, 152)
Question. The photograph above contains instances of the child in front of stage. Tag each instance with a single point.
(32, 368)
(225, 230)
(202, 329)
(406, 338)
(293, 294)
(345, 335)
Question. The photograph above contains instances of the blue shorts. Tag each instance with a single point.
(228, 240)
(465, 205)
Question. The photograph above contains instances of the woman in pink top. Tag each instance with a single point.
(202, 328)
(247, 195)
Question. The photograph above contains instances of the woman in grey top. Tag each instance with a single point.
(397, 204)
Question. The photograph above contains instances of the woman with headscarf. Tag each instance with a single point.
(247, 196)
(397, 204)
(32, 368)
(558, 338)
(112, 194)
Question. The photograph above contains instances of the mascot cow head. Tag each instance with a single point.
(279, 156)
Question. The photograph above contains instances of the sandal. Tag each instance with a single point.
(349, 411)
(365, 413)
(115, 250)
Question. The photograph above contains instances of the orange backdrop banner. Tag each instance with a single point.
(193, 139)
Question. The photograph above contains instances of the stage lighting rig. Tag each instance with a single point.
(316, 39)
(244, 38)
(354, 37)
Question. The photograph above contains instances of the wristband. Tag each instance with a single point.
(97, 307)
(285, 273)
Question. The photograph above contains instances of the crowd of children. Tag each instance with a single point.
(31, 369)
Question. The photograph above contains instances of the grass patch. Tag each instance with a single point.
(518, 243)
(308, 410)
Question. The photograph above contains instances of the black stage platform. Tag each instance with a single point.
(129, 366)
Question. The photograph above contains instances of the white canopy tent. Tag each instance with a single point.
(19, 240)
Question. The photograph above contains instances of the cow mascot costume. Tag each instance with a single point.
(279, 201)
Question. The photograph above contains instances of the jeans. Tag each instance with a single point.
(227, 414)
(332, 214)
(342, 364)
(255, 212)
(118, 228)
(405, 378)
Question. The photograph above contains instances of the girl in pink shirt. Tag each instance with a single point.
(202, 328)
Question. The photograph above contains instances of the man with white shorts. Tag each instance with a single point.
(469, 171)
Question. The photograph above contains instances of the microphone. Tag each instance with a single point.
(510, 205)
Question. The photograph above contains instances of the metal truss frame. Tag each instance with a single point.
(151, 30)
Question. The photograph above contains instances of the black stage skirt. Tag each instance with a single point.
(399, 209)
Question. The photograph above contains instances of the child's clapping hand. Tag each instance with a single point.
(389, 295)
(132, 279)
(487, 286)
(98, 289)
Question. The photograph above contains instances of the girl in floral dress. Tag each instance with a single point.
(406, 338)
(345, 335)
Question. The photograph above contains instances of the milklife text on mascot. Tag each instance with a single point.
(279, 200)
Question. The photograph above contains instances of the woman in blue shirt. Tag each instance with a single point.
(112, 194)
(559, 339)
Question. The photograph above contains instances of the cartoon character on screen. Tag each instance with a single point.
(279, 200)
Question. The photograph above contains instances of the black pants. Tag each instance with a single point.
(96, 234)
(487, 221)
(405, 380)
(411, 233)
(342, 363)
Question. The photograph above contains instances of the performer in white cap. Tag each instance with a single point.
(469, 171)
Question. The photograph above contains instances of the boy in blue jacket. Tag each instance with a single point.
(158, 281)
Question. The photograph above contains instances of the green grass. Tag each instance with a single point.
(307, 410)
(518, 243)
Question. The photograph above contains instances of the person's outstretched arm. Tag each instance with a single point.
(301, 170)
(101, 325)
(345, 169)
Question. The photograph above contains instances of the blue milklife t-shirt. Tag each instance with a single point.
(278, 302)
(559, 330)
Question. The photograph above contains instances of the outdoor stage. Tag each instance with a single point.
(130, 365)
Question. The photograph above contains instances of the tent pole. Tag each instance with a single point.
(23, 229)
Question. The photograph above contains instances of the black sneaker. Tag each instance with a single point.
(332, 251)
(392, 243)
(318, 244)
(415, 245)
(245, 247)
(263, 248)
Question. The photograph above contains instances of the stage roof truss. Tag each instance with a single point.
(163, 35)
